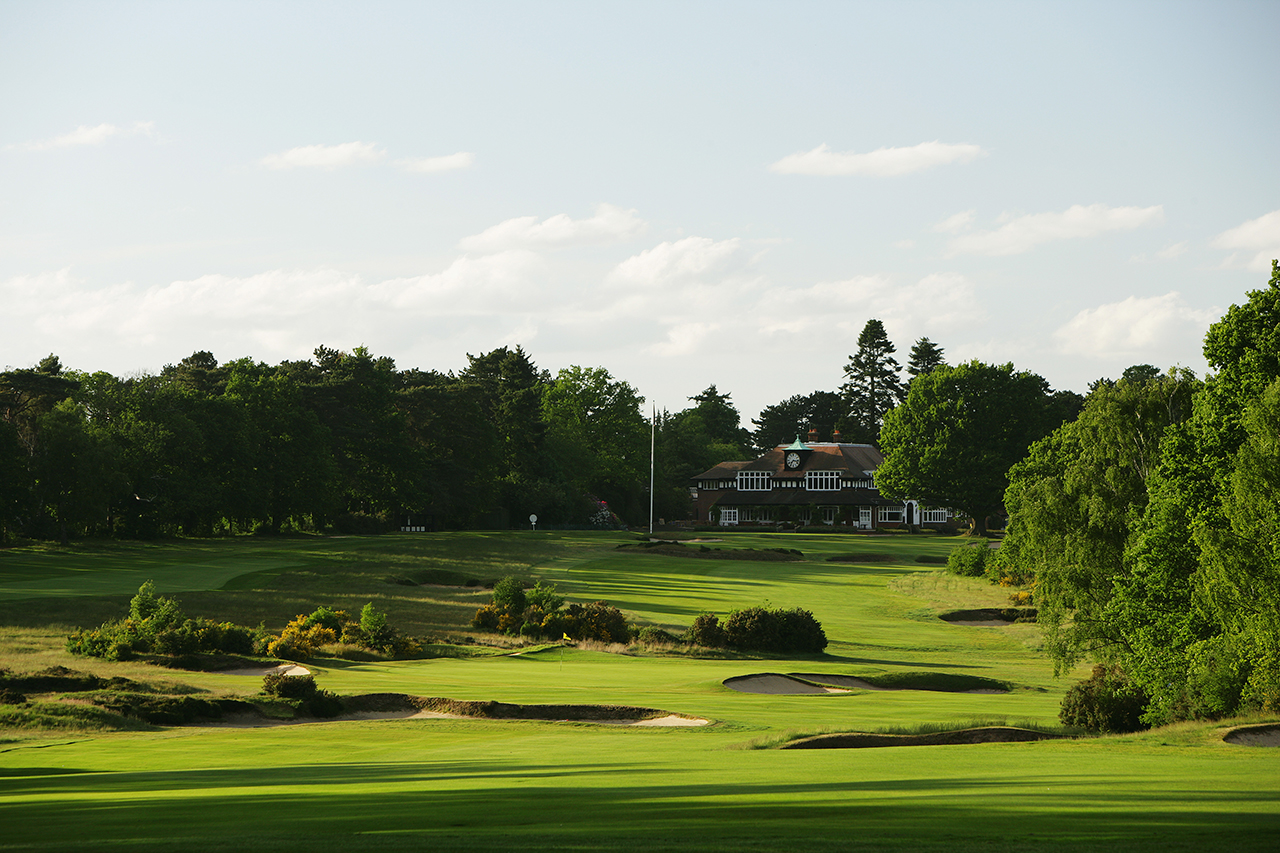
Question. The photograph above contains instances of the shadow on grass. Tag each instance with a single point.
(486, 805)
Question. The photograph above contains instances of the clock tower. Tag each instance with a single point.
(796, 455)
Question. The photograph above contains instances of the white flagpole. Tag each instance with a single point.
(653, 428)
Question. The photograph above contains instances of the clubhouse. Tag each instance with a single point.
(829, 483)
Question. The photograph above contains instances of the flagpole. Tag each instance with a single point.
(653, 429)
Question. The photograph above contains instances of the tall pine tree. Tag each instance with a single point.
(925, 356)
(872, 386)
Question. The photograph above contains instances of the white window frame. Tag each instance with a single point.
(729, 517)
(891, 515)
(822, 481)
(864, 518)
(755, 481)
(933, 516)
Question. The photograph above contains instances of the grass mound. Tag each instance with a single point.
(864, 740)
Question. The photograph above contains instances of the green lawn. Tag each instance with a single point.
(519, 785)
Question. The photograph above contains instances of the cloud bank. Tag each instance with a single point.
(1260, 236)
(1023, 233)
(1142, 328)
(883, 162)
(609, 223)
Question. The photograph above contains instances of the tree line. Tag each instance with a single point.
(342, 441)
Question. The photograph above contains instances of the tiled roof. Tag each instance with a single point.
(828, 456)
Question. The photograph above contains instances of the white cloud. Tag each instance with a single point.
(685, 339)
(1260, 236)
(87, 135)
(1170, 252)
(1137, 327)
(1022, 233)
(608, 224)
(956, 222)
(492, 284)
(937, 301)
(681, 260)
(447, 163)
(883, 162)
(325, 156)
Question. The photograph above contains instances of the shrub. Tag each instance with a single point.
(601, 621)
(299, 641)
(752, 628)
(545, 598)
(1105, 702)
(508, 594)
(652, 635)
(486, 618)
(706, 631)
(969, 560)
(760, 629)
(289, 686)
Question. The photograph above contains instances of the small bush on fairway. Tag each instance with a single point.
(761, 629)
(969, 560)
(540, 613)
(156, 624)
(302, 693)
(305, 636)
(1104, 702)
(706, 631)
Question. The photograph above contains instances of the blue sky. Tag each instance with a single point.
(683, 193)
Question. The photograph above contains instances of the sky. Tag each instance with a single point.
(686, 193)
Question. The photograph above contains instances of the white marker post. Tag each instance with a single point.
(533, 519)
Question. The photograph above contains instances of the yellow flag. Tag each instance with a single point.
(567, 637)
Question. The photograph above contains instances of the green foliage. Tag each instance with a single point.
(760, 629)
(545, 598)
(798, 416)
(373, 622)
(508, 594)
(925, 356)
(706, 631)
(1107, 701)
(1077, 498)
(872, 387)
(969, 560)
(953, 440)
(289, 686)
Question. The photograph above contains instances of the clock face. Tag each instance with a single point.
(793, 460)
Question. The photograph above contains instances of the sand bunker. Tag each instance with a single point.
(1267, 734)
(282, 669)
(867, 740)
(399, 706)
(802, 683)
(778, 685)
(990, 617)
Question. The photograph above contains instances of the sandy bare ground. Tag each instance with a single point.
(1267, 734)
(282, 669)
